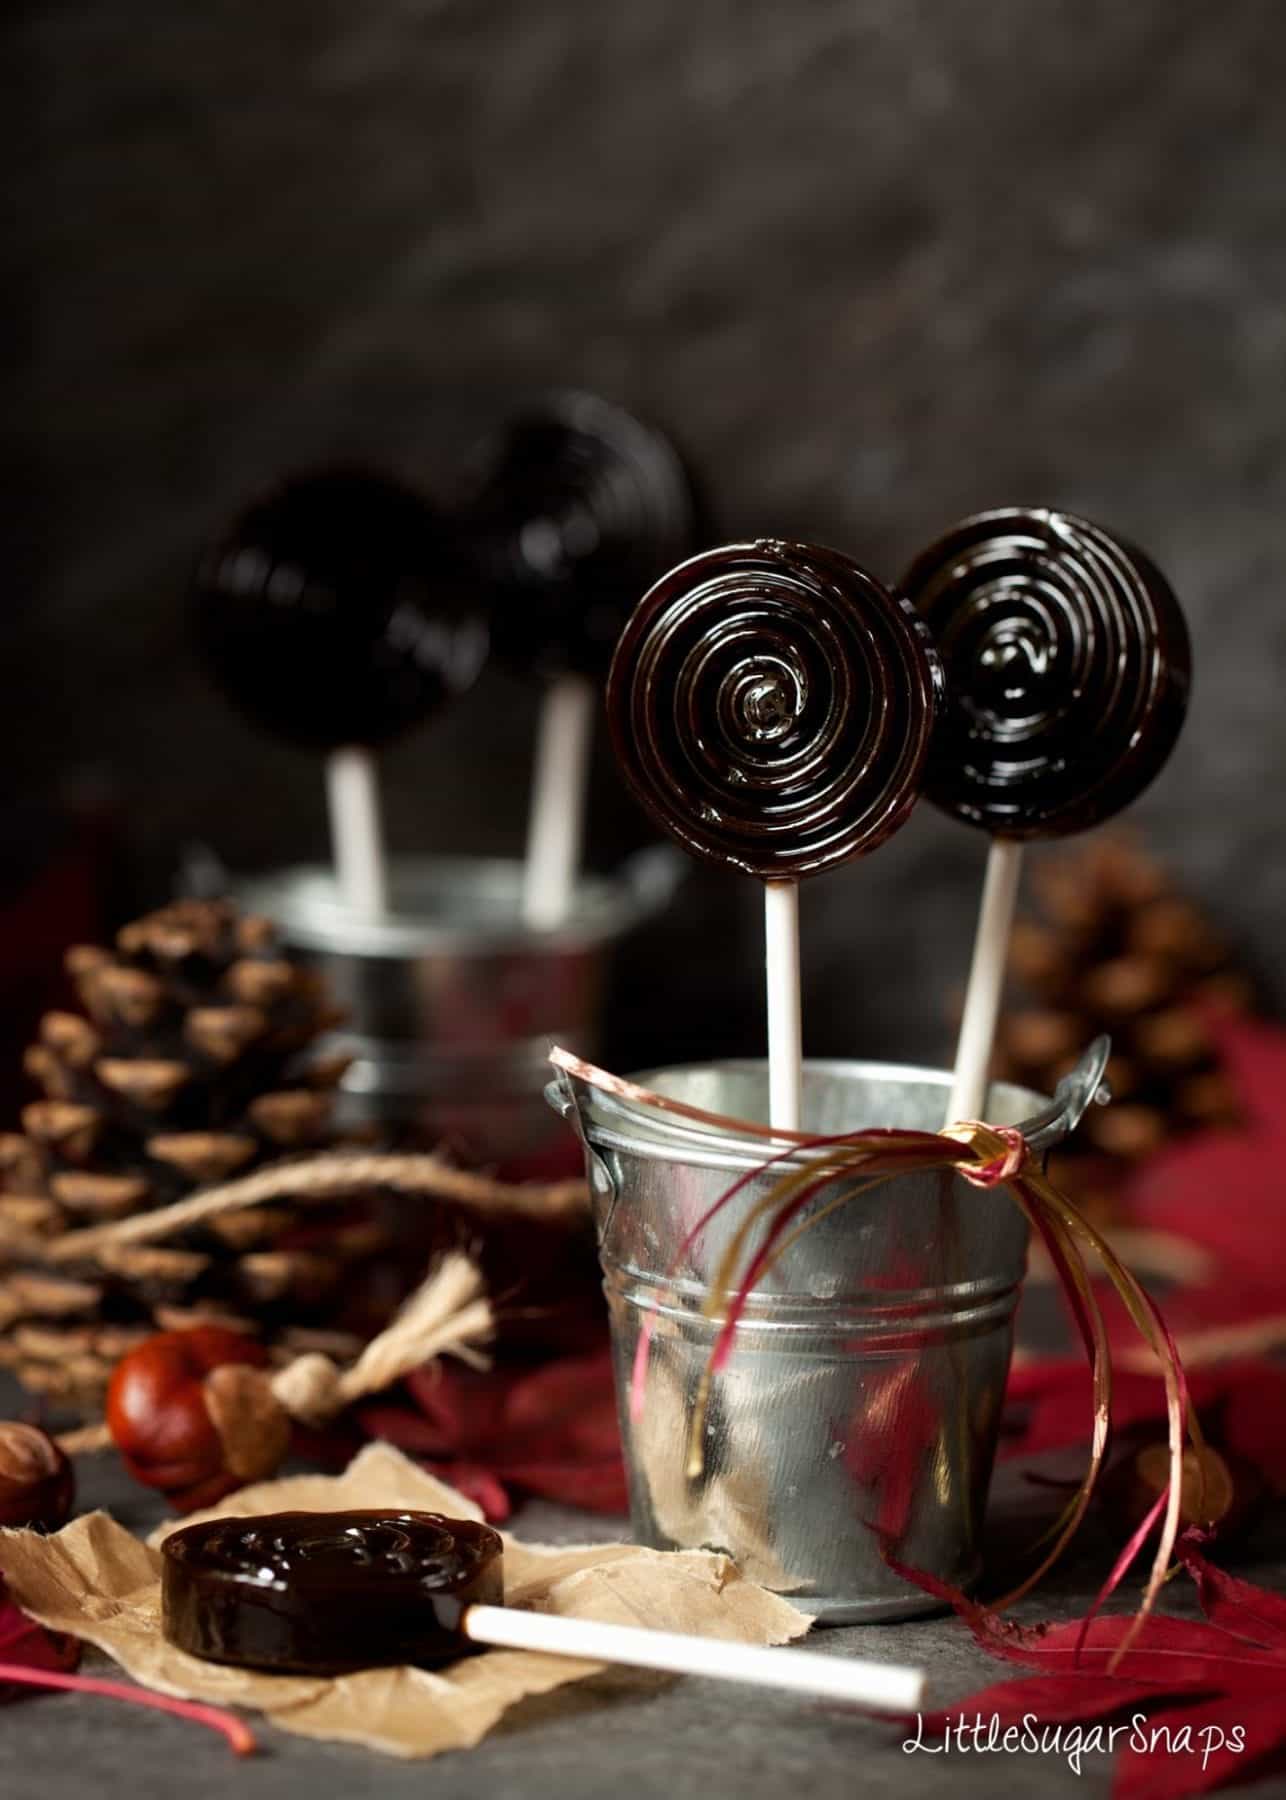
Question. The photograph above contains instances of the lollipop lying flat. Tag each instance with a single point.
(771, 707)
(332, 613)
(327, 1593)
(1067, 666)
(580, 507)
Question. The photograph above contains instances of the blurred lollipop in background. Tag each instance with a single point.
(578, 508)
(771, 706)
(332, 613)
(1067, 669)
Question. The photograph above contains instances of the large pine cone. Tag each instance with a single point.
(195, 1061)
(1115, 948)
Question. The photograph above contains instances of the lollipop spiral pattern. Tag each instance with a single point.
(580, 508)
(1067, 669)
(771, 706)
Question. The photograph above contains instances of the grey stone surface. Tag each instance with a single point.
(875, 263)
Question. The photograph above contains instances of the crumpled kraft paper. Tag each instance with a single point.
(97, 1581)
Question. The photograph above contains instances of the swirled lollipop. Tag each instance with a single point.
(771, 707)
(332, 612)
(1067, 665)
(578, 508)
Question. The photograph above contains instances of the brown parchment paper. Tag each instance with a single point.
(97, 1581)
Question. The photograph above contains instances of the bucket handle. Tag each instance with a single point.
(1074, 1095)
(562, 1097)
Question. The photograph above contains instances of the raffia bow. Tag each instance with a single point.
(986, 1156)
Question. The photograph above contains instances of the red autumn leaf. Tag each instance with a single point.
(1254, 1053)
(1217, 1685)
(1238, 1606)
(1246, 1169)
(1168, 1652)
(1201, 1749)
(459, 1405)
(572, 1399)
(1058, 1393)
(477, 1484)
(24, 1644)
(1242, 1404)
(549, 1431)
(597, 1486)
(1252, 1410)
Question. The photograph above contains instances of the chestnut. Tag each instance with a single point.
(1220, 1490)
(193, 1415)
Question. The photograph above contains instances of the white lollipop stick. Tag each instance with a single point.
(785, 1028)
(557, 820)
(356, 835)
(986, 980)
(883, 1687)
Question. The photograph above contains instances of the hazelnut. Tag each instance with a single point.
(37, 1483)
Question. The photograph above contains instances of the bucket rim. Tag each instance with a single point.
(482, 919)
(610, 1122)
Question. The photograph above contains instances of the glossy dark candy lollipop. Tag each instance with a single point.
(333, 610)
(321, 1593)
(1067, 667)
(315, 1593)
(771, 706)
(579, 507)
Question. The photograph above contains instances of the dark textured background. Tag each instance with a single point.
(876, 262)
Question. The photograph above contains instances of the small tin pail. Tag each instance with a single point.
(862, 1401)
(450, 1000)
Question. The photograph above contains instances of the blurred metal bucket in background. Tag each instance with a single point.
(862, 1400)
(451, 1001)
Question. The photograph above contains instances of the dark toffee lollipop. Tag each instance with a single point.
(771, 707)
(333, 612)
(1067, 668)
(323, 1593)
(577, 508)
(327, 1593)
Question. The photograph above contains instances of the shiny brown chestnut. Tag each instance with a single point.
(192, 1414)
(325, 1593)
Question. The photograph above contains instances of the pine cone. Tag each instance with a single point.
(192, 1064)
(1115, 948)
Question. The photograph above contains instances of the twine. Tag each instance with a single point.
(449, 1314)
(324, 1177)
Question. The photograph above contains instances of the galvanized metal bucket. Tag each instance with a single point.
(861, 1404)
(450, 1000)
